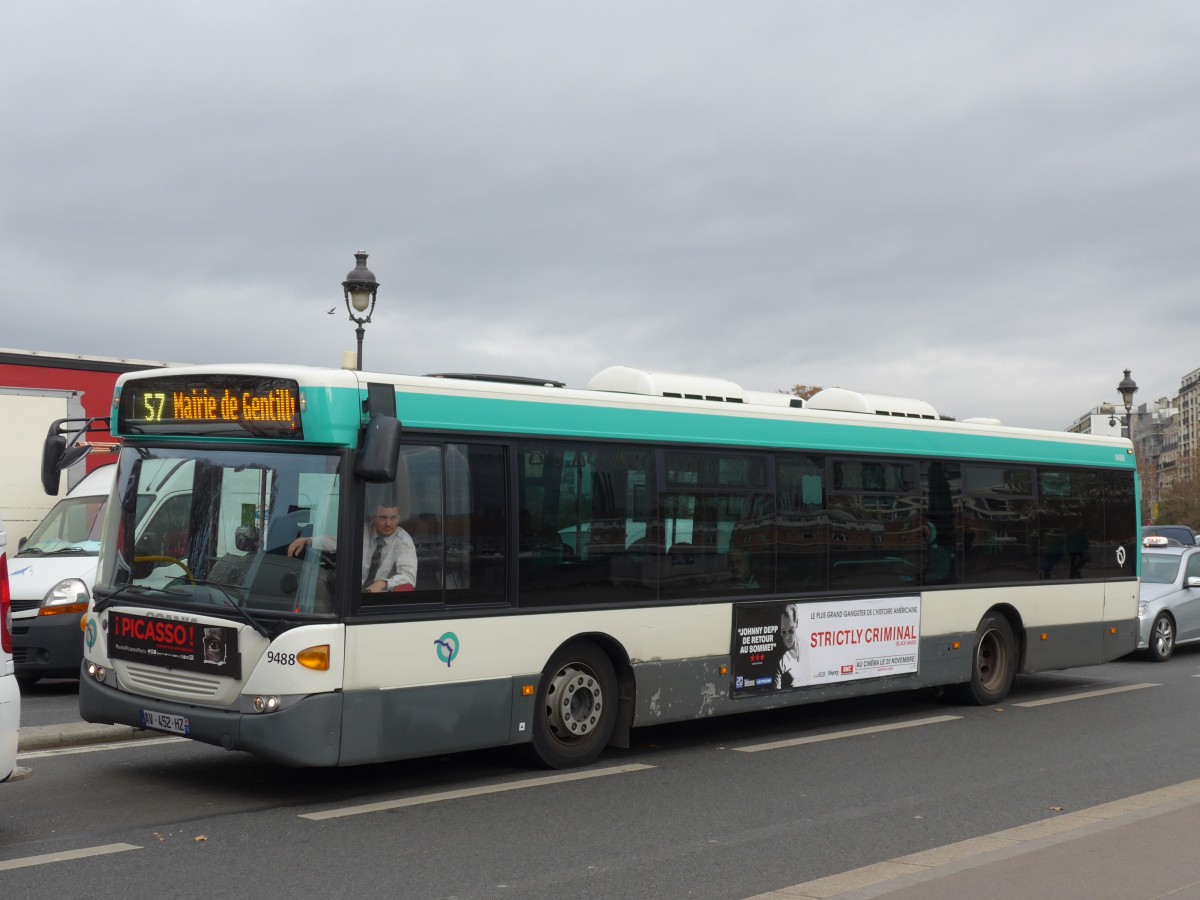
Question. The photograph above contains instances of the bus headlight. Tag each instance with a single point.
(266, 704)
(68, 596)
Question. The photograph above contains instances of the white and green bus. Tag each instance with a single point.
(655, 548)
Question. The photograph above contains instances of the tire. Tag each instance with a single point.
(576, 706)
(1162, 638)
(993, 662)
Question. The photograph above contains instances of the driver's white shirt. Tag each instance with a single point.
(397, 564)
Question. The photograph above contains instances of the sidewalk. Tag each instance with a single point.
(51, 737)
(1141, 846)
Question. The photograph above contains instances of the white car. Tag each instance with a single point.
(10, 695)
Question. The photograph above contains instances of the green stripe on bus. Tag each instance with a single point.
(439, 412)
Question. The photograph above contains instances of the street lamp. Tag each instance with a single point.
(360, 288)
(1127, 388)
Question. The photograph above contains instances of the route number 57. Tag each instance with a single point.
(154, 406)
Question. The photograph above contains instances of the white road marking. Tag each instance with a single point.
(64, 856)
(1086, 695)
(471, 792)
(97, 748)
(838, 735)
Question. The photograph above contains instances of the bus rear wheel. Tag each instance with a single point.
(576, 706)
(994, 665)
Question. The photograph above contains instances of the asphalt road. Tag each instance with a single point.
(51, 701)
(724, 808)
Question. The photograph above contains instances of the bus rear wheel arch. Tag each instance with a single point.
(576, 707)
(995, 658)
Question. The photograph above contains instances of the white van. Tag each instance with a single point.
(51, 579)
(52, 574)
(10, 695)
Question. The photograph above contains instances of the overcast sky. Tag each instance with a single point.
(994, 207)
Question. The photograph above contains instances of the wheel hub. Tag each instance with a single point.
(574, 702)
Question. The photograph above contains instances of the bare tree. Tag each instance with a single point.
(1180, 503)
(803, 391)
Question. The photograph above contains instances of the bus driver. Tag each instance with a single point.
(389, 555)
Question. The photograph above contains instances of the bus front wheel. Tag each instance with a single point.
(576, 706)
(994, 665)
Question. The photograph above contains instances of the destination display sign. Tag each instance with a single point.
(172, 644)
(211, 404)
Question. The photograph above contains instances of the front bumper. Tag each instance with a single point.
(47, 646)
(305, 734)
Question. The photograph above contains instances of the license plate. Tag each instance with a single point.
(165, 722)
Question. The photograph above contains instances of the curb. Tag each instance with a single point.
(50, 737)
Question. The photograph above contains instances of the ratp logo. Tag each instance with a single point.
(447, 647)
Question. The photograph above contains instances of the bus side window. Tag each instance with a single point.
(453, 506)
(1000, 539)
(718, 513)
(803, 523)
(875, 524)
(942, 494)
(586, 526)
(476, 559)
(421, 515)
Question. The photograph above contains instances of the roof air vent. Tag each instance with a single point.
(626, 380)
(843, 400)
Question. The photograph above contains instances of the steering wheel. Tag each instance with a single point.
(326, 559)
(170, 560)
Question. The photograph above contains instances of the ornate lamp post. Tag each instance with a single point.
(1127, 388)
(360, 289)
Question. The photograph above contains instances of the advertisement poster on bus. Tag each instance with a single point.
(212, 649)
(782, 646)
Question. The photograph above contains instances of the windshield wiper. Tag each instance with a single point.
(127, 593)
(65, 550)
(122, 593)
(225, 591)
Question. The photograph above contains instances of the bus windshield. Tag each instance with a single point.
(217, 527)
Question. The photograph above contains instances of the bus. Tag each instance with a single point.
(654, 548)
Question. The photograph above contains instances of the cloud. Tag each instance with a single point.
(991, 208)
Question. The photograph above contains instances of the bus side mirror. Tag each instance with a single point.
(378, 456)
(52, 452)
(245, 538)
(58, 454)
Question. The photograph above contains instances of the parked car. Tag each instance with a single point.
(1181, 533)
(52, 574)
(1169, 604)
(10, 695)
(51, 579)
